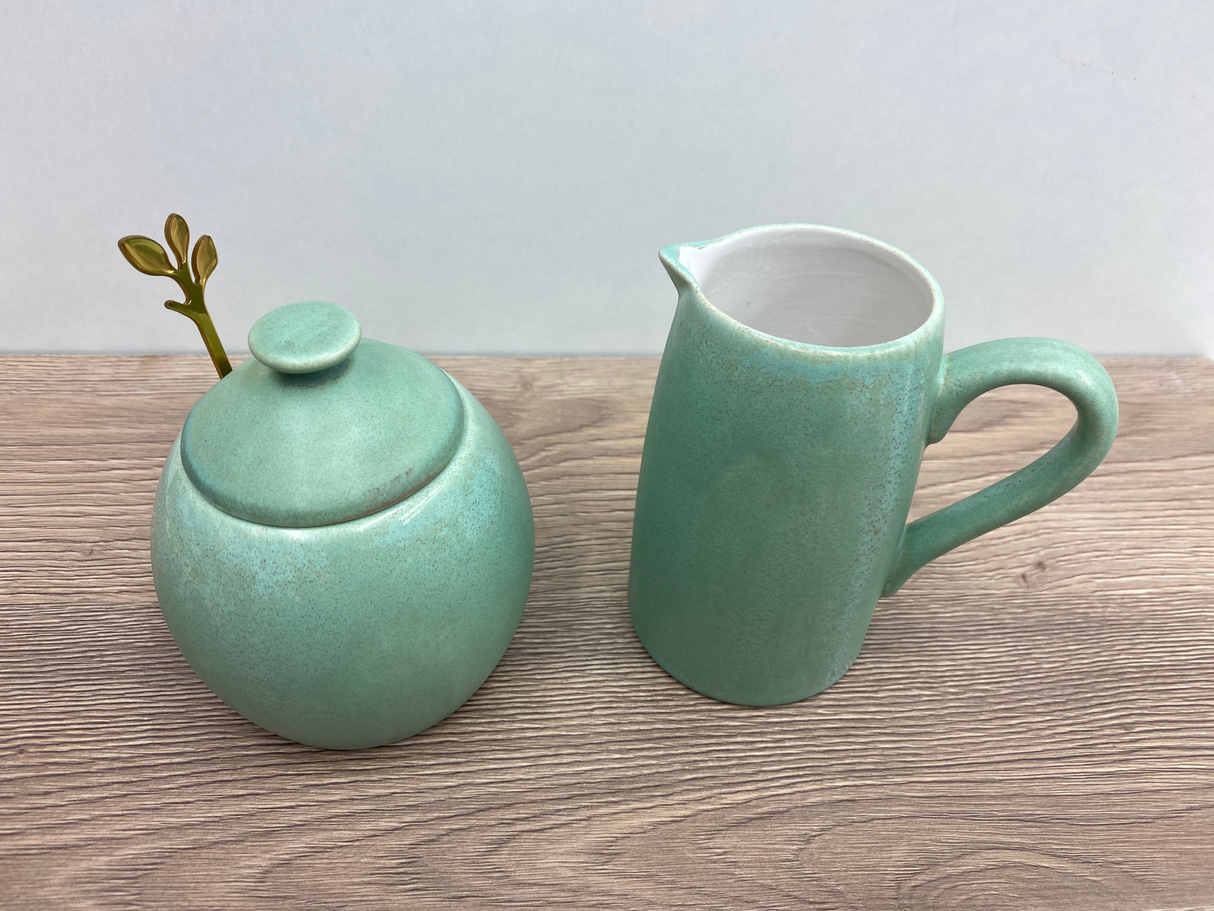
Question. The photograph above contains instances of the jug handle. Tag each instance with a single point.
(968, 373)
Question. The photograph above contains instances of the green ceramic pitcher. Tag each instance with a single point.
(802, 379)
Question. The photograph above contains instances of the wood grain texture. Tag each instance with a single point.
(1030, 724)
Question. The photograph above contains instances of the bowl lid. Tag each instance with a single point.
(320, 425)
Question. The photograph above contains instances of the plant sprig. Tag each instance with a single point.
(149, 257)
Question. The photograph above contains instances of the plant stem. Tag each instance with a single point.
(196, 309)
(210, 338)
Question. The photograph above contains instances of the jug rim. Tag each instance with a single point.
(686, 281)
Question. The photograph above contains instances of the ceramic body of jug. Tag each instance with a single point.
(342, 539)
(802, 379)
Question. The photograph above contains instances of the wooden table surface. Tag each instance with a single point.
(1030, 724)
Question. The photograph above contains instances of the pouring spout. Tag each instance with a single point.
(673, 258)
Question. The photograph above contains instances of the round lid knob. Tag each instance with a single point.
(305, 337)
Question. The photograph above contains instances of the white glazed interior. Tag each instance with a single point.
(821, 286)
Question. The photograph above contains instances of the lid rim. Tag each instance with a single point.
(206, 495)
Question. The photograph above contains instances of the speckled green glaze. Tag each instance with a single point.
(360, 633)
(317, 448)
(356, 633)
(777, 476)
(305, 337)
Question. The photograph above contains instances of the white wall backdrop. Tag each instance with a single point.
(497, 177)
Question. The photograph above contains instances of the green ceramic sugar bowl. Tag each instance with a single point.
(342, 540)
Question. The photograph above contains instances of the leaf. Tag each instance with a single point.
(205, 259)
(177, 233)
(145, 255)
